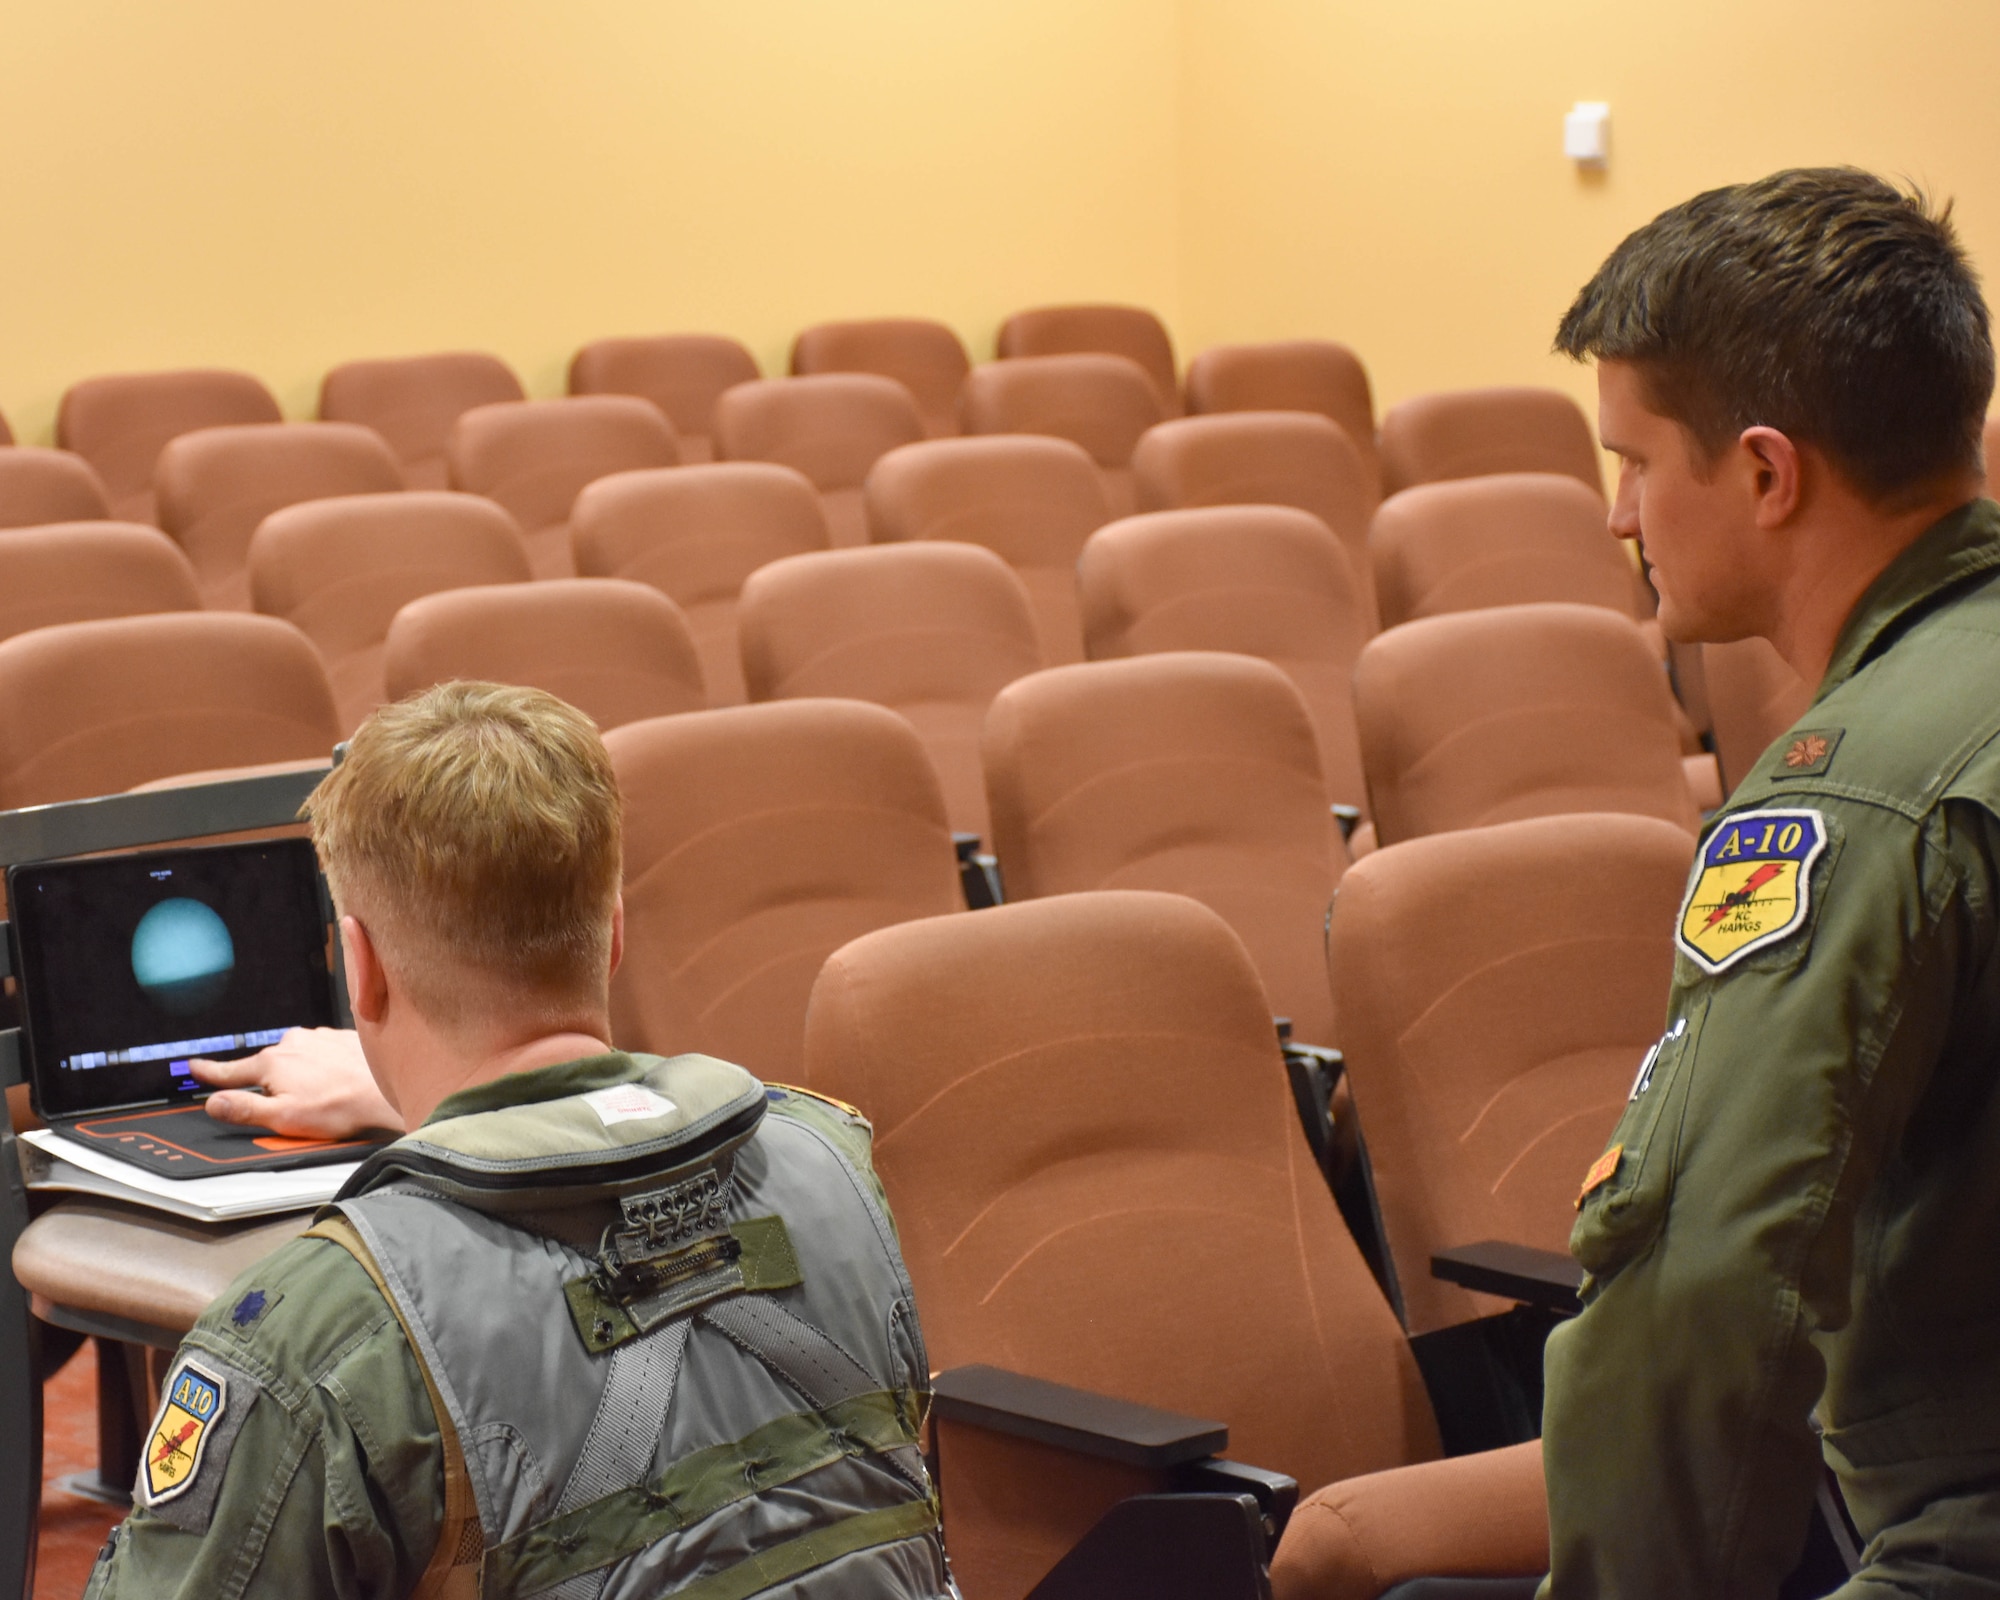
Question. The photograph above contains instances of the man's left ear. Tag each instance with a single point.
(617, 932)
(1776, 474)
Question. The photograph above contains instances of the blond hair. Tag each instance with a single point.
(474, 830)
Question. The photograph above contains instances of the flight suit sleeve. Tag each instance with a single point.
(1718, 1232)
(326, 1482)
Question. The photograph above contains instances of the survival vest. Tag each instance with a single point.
(669, 1340)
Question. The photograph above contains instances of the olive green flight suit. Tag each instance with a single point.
(1796, 1228)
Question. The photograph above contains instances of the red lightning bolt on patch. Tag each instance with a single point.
(172, 1447)
(1751, 885)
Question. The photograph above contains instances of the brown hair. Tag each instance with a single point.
(474, 829)
(1822, 302)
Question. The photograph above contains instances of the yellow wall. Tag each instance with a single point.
(281, 184)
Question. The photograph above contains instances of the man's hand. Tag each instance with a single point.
(315, 1082)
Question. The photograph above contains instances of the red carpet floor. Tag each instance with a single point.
(72, 1527)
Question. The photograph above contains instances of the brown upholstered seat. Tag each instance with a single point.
(1267, 581)
(1104, 403)
(412, 401)
(41, 486)
(617, 651)
(1500, 540)
(77, 571)
(1992, 443)
(340, 570)
(1491, 716)
(1487, 1077)
(1084, 1129)
(932, 631)
(215, 485)
(1129, 331)
(1753, 696)
(684, 374)
(1289, 375)
(1031, 501)
(1283, 458)
(535, 456)
(832, 427)
(1463, 433)
(758, 840)
(695, 533)
(924, 357)
(1193, 772)
(120, 423)
(92, 708)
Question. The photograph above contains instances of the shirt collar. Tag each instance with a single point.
(556, 1082)
(1958, 546)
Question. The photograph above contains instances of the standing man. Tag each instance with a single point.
(1793, 1239)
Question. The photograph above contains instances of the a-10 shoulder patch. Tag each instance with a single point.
(1752, 886)
(202, 1407)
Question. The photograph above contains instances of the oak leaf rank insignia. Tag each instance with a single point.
(1752, 886)
(193, 1405)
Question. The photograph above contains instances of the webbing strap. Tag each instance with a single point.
(781, 1563)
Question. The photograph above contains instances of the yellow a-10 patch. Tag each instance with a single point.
(190, 1409)
(1752, 886)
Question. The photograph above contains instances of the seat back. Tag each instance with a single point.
(1491, 716)
(933, 631)
(1463, 433)
(41, 486)
(1128, 331)
(340, 570)
(1192, 772)
(1082, 1122)
(1104, 403)
(684, 374)
(1267, 581)
(1487, 1078)
(1753, 696)
(832, 427)
(91, 708)
(121, 422)
(758, 840)
(1506, 539)
(695, 533)
(926, 358)
(412, 401)
(1281, 458)
(1031, 501)
(535, 456)
(77, 571)
(1289, 375)
(617, 651)
(217, 484)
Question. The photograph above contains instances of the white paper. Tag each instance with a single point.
(230, 1194)
(628, 1102)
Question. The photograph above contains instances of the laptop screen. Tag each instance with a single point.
(131, 965)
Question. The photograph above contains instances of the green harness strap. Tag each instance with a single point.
(781, 1563)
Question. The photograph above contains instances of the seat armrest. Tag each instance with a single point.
(1348, 818)
(978, 873)
(1519, 1272)
(1277, 1495)
(1074, 1419)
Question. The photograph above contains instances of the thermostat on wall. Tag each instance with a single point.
(1587, 133)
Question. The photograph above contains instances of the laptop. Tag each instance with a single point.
(132, 966)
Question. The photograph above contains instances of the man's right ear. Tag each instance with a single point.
(367, 987)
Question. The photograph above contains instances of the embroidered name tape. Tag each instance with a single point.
(195, 1403)
(1752, 888)
(627, 1102)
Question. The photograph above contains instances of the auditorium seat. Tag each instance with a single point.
(1500, 540)
(932, 631)
(684, 374)
(758, 840)
(1491, 716)
(1462, 433)
(1289, 375)
(412, 401)
(1193, 772)
(92, 708)
(1267, 581)
(926, 358)
(78, 571)
(1128, 331)
(340, 570)
(1753, 696)
(617, 651)
(1155, 1231)
(1284, 458)
(535, 456)
(1486, 1076)
(217, 484)
(1031, 501)
(1104, 403)
(38, 486)
(120, 423)
(695, 533)
(832, 427)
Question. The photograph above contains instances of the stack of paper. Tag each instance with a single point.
(52, 1162)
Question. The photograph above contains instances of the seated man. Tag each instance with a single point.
(600, 1324)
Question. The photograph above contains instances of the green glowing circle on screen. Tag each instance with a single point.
(182, 956)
